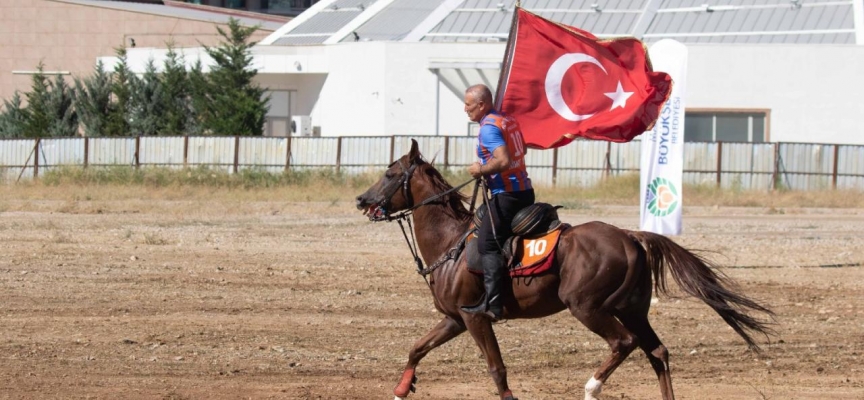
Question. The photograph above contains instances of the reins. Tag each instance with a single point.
(407, 213)
(404, 214)
(412, 243)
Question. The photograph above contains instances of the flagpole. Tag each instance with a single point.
(508, 57)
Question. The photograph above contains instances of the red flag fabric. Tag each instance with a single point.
(561, 83)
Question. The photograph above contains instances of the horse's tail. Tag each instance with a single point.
(699, 278)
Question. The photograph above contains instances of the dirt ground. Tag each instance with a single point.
(178, 299)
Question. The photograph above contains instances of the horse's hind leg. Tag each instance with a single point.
(654, 349)
(445, 330)
(621, 341)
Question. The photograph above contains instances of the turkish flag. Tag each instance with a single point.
(561, 82)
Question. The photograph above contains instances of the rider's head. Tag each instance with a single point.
(478, 102)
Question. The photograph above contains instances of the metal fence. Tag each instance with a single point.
(747, 166)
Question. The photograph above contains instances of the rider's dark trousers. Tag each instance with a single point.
(502, 208)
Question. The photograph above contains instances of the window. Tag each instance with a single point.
(725, 126)
(286, 5)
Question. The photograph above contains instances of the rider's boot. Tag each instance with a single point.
(490, 303)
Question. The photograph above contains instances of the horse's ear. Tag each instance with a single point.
(414, 154)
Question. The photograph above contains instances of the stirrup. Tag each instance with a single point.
(478, 308)
(494, 317)
(486, 313)
(483, 309)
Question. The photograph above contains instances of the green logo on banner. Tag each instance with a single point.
(662, 197)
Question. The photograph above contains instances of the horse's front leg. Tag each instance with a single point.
(481, 330)
(445, 330)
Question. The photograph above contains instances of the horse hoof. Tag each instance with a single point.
(406, 385)
(593, 389)
(398, 398)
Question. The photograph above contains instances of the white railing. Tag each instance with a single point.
(749, 166)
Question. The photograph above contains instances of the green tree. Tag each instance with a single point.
(61, 99)
(176, 94)
(121, 89)
(93, 102)
(146, 103)
(198, 87)
(38, 112)
(13, 119)
(233, 104)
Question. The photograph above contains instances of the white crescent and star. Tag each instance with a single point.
(555, 76)
(619, 97)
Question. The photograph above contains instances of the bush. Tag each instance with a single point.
(13, 119)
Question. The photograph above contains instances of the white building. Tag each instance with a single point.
(767, 70)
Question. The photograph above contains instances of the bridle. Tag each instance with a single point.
(391, 190)
(402, 183)
(403, 215)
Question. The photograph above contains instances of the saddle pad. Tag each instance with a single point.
(536, 254)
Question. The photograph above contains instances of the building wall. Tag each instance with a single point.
(354, 96)
(70, 37)
(813, 92)
(379, 88)
(412, 96)
(386, 88)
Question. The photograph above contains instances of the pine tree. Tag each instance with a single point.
(175, 89)
(146, 103)
(235, 104)
(13, 119)
(94, 103)
(198, 88)
(39, 113)
(121, 88)
(64, 122)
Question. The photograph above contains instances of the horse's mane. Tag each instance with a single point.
(439, 184)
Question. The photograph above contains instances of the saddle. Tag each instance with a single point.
(531, 250)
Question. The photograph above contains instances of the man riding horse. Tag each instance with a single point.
(501, 151)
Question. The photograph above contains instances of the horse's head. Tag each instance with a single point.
(392, 192)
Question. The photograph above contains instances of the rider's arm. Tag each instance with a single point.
(499, 162)
(492, 138)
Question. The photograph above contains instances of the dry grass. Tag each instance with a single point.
(154, 239)
(624, 190)
(126, 190)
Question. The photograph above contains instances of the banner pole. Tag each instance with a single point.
(508, 57)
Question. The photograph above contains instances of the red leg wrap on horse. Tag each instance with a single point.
(405, 383)
(507, 395)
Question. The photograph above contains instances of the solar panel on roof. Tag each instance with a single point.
(693, 21)
(395, 21)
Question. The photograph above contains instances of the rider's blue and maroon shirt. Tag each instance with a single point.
(497, 130)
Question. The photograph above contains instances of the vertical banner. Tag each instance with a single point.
(662, 162)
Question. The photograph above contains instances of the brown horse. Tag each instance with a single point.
(603, 276)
